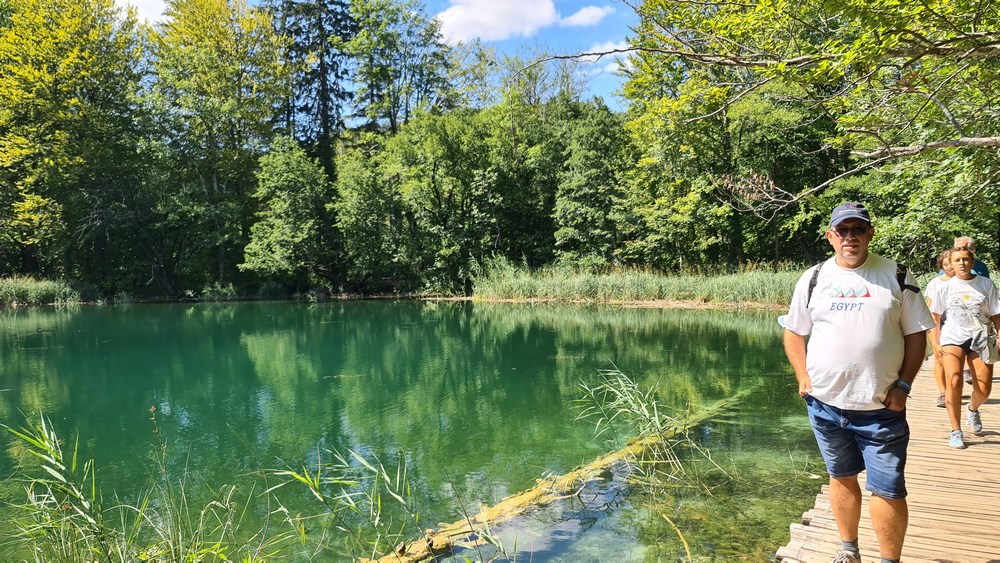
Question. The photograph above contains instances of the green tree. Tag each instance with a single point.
(419, 211)
(922, 204)
(28, 230)
(724, 150)
(591, 187)
(527, 136)
(376, 229)
(900, 78)
(6, 11)
(401, 62)
(68, 136)
(778, 148)
(319, 31)
(677, 193)
(445, 183)
(220, 75)
(287, 242)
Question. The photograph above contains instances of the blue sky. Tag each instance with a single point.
(558, 27)
(523, 27)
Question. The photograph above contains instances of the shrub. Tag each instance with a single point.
(218, 292)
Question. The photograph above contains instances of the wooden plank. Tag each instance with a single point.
(954, 495)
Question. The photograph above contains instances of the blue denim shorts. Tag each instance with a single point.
(853, 441)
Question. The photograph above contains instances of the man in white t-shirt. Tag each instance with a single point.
(867, 335)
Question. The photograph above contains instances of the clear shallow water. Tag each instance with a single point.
(479, 396)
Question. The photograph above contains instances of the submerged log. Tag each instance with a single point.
(546, 490)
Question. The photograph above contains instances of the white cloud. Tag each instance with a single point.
(149, 10)
(588, 16)
(492, 19)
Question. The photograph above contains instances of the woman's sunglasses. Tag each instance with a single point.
(855, 231)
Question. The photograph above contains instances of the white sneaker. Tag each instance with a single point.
(975, 421)
(846, 557)
(956, 440)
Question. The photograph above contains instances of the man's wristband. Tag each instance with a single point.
(903, 386)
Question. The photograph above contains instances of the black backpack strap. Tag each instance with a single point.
(812, 282)
(901, 279)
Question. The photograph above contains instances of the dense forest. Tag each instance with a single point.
(343, 144)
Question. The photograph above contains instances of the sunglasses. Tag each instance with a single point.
(855, 231)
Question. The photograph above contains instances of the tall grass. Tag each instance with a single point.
(365, 510)
(65, 516)
(23, 290)
(218, 292)
(501, 279)
(63, 513)
(371, 506)
(619, 408)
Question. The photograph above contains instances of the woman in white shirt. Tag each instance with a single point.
(962, 308)
(930, 295)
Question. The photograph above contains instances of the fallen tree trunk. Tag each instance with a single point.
(546, 490)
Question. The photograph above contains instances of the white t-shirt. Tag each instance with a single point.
(958, 301)
(856, 320)
(931, 291)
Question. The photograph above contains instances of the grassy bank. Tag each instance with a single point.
(764, 285)
(22, 290)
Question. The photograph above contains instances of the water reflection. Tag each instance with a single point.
(478, 395)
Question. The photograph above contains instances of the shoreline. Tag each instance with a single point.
(630, 303)
(627, 303)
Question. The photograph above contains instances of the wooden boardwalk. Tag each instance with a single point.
(954, 495)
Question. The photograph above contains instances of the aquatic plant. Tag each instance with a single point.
(218, 292)
(501, 279)
(373, 507)
(621, 410)
(24, 290)
(696, 507)
(354, 492)
(65, 517)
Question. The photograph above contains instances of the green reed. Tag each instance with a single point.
(22, 290)
(372, 507)
(619, 408)
(692, 505)
(756, 284)
(65, 516)
(370, 504)
(365, 510)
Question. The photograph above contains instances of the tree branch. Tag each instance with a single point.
(897, 152)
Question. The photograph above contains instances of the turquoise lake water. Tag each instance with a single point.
(480, 398)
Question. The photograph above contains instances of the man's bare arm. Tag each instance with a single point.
(795, 349)
(914, 347)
